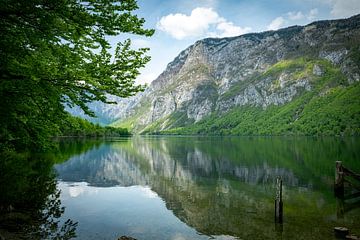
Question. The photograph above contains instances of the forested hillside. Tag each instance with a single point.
(300, 80)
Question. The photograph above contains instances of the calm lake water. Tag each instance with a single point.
(206, 187)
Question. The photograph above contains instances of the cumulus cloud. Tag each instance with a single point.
(199, 24)
(313, 14)
(276, 23)
(295, 15)
(345, 8)
(228, 29)
(291, 17)
(181, 26)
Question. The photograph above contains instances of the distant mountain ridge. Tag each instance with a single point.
(107, 113)
(297, 80)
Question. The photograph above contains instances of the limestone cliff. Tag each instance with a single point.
(259, 70)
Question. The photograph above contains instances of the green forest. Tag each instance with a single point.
(331, 108)
(57, 53)
(63, 176)
(78, 127)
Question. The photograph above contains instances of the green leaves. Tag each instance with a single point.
(77, 127)
(56, 52)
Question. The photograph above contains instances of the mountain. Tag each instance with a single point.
(298, 80)
(107, 113)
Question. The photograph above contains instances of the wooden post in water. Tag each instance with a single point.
(278, 201)
(340, 208)
(339, 180)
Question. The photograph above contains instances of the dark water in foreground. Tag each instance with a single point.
(178, 188)
(206, 187)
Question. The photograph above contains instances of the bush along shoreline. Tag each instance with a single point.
(74, 127)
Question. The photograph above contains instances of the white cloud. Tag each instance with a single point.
(181, 26)
(313, 14)
(276, 23)
(345, 8)
(198, 24)
(228, 29)
(295, 15)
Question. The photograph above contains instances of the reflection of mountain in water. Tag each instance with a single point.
(102, 166)
(220, 186)
(133, 163)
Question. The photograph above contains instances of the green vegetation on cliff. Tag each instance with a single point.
(330, 107)
(337, 113)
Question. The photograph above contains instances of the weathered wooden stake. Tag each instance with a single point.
(278, 202)
(279, 229)
(340, 208)
(339, 180)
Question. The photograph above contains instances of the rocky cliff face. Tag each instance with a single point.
(272, 68)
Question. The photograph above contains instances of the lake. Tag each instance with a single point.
(206, 187)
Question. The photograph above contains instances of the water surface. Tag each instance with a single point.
(206, 187)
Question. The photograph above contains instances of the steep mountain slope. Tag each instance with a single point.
(107, 113)
(298, 80)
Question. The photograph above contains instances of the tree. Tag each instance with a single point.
(56, 52)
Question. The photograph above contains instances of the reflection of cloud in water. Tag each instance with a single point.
(147, 192)
(218, 188)
(178, 236)
(225, 237)
(76, 191)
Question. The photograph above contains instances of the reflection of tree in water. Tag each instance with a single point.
(30, 207)
(225, 186)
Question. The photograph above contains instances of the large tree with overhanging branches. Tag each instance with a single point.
(56, 52)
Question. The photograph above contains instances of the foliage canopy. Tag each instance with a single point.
(56, 52)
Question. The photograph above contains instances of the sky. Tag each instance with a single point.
(180, 23)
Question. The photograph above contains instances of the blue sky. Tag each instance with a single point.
(179, 23)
